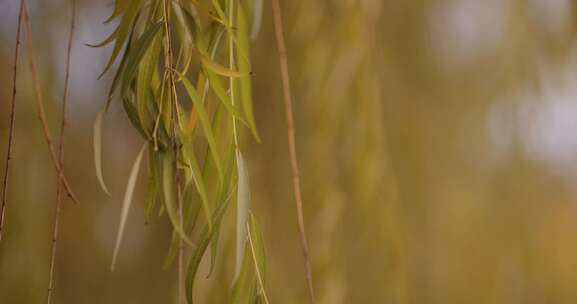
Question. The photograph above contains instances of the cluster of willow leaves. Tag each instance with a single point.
(184, 80)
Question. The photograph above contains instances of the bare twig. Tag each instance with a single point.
(12, 112)
(61, 156)
(40, 104)
(278, 27)
(180, 298)
(170, 70)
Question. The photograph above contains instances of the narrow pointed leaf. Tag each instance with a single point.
(170, 197)
(245, 83)
(220, 69)
(242, 209)
(97, 143)
(136, 54)
(204, 121)
(126, 203)
(257, 9)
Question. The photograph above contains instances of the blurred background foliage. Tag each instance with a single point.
(437, 144)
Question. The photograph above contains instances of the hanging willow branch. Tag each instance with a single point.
(277, 17)
(58, 205)
(40, 104)
(11, 131)
(172, 47)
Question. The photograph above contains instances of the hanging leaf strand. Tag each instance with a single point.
(171, 82)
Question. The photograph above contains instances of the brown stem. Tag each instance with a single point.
(284, 71)
(40, 105)
(12, 112)
(61, 157)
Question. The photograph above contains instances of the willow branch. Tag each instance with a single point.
(11, 131)
(40, 105)
(58, 206)
(284, 71)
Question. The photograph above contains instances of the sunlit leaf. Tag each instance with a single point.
(218, 89)
(220, 69)
(244, 66)
(204, 121)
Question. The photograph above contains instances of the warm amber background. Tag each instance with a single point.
(438, 146)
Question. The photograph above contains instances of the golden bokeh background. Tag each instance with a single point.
(438, 149)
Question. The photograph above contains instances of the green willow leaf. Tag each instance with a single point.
(220, 69)
(97, 143)
(256, 245)
(249, 288)
(196, 174)
(206, 236)
(218, 89)
(244, 66)
(132, 114)
(137, 53)
(126, 203)
(204, 121)
(120, 7)
(168, 190)
(228, 167)
(122, 32)
(152, 187)
(144, 92)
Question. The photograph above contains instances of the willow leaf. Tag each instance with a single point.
(146, 71)
(205, 237)
(220, 69)
(190, 158)
(257, 9)
(97, 141)
(152, 187)
(223, 189)
(256, 245)
(168, 175)
(219, 91)
(124, 28)
(137, 53)
(242, 209)
(245, 67)
(120, 7)
(204, 121)
(126, 203)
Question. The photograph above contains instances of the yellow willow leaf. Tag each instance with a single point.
(220, 69)
(97, 141)
(126, 203)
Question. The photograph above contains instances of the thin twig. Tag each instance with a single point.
(180, 251)
(12, 112)
(278, 27)
(61, 156)
(40, 105)
(169, 69)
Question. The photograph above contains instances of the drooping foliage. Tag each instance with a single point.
(184, 81)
